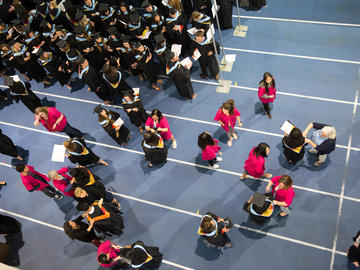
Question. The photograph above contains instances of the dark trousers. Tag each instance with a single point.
(72, 132)
(212, 162)
(266, 107)
(50, 191)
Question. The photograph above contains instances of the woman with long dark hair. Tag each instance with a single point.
(267, 92)
(255, 164)
(209, 149)
(293, 145)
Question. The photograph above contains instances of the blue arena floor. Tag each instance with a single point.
(316, 67)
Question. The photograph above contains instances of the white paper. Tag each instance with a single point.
(34, 51)
(176, 48)
(192, 31)
(58, 154)
(15, 78)
(287, 127)
(214, 9)
(229, 58)
(118, 122)
(196, 55)
(211, 32)
(124, 23)
(186, 63)
(136, 91)
(145, 34)
(165, 2)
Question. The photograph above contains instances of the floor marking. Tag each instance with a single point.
(61, 229)
(294, 56)
(238, 174)
(343, 183)
(297, 21)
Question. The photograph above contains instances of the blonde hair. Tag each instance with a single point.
(329, 131)
(78, 191)
(52, 174)
(194, 15)
(43, 109)
(69, 145)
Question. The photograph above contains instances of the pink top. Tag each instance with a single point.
(162, 124)
(210, 151)
(30, 182)
(282, 195)
(255, 166)
(62, 184)
(228, 120)
(262, 91)
(53, 115)
(106, 247)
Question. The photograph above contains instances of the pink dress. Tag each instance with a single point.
(228, 120)
(106, 247)
(210, 151)
(255, 166)
(30, 182)
(162, 124)
(262, 91)
(53, 115)
(282, 195)
(62, 184)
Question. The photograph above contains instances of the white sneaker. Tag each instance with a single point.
(219, 158)
(174, 144)
(229, 143)
(235, 136)
(216, 166)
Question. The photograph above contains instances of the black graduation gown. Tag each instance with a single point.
(85, 155)
(120, 86)
(225, 13)
(9, 225)
(257, 4)
(219, 239)
(113, 224)
(155, 155)
(5, 15)
(96, 58)
(136, 118)
(127, 58)
(289, 144)
(96, 83)
(256, 218)
(203, 6)
(122, 135)
(19, 92)
(81, 233)
(95, 191)
(203, 23)
(162, 54)
(354, 252)
(178, 36)
(154, 253)
(181, 77)
(205, 60)
(52, 67)
(149, 68)
(7, 147)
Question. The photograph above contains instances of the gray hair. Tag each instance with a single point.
(52, 174)
(329, 131)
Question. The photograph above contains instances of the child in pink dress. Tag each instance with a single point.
(255, 164)
(209, 149)
(267, 92)
(156, 122)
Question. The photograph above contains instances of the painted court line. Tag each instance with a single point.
(294, 56)
(297, 21)
(174, 160)
(61, 229)
(185, 118)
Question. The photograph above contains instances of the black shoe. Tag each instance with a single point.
(269, 115)
(58, 197)
(202, 75)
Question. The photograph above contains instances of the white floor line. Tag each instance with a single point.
(294, 56)
(169, 159)
(61, 229)
(297, 21)
(332, 261)
(236, 225)
(184, 118)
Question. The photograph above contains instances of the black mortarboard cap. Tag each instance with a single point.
(43, 24)
(159, 38)
(79, 30)
(27, 29)
(98, 109)
(172, 11)
(39, 52)
(68, 5)
(123, 4)
(73, 53)
(134, 18)
(112, 30)
(145, 4)
(103, 7)
(258, 200)
(59, 27)
(78, 15)
(16, 22)
(137, 44)
(61, 43)
(9, 81)
(170, 55)
(138, 256)
(80, 59)
(128, 93)
(96, 35)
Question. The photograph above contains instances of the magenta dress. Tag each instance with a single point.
(255, 166)
(262, 91)
(162, 124)
(228, 120)
(210, 151)
(106, 247)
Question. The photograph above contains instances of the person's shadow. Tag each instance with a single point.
(46, 102)
(208, 253)
(200, 161)
(23, 153)
(16, 242)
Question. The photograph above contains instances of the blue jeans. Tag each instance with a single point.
(72, 132)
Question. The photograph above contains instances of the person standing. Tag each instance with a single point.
(282, 191)
(7, 147)
(156, 122)
(227, 116)
(109, 254)
(293, 145)
(154, 148)
(34, 180)
(62, 181)
(209, 148)
(323, 140)
(255, 164)
(267, 92)
(53, 121)
(135, 110)
(353, 253)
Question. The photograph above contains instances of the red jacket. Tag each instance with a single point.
(30, 182)
(210, 151)
(106, 247)
(262, 91)
(53, 115)
(255, 166)
(62, 184)
(228, 120)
